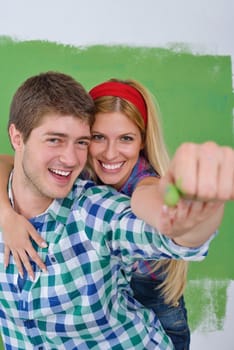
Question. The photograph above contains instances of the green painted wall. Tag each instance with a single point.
(196, 101)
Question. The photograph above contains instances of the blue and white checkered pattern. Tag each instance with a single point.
(84, 301)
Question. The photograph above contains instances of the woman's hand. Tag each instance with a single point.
(16, 235)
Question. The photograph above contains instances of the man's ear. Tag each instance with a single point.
(15, 137)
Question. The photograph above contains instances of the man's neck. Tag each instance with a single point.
(26, 202)
(27, 208)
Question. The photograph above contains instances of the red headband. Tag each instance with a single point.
(112, 88)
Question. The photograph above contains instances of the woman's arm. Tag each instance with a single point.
(207, 175)
(6, 166)
(16, 229)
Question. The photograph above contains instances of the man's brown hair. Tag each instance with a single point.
(50, 92)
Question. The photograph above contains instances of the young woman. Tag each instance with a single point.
(127, 152)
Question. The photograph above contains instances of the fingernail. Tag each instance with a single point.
(44, 245)
(44, 270)
(21, 275)
(31, 278)
(165, 209)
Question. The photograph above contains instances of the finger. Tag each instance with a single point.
(37, 238)
(6, 256)
(196, 209)
(36, 258)
(232, 197)
(209, 208)
(209, 161)
(18, 263)
(183, 209)
(165, 224)
(24, 259)
(201, 210)
(184, 168)
(31, 252)
(226, 175)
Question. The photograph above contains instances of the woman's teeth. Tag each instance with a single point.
(112, 166)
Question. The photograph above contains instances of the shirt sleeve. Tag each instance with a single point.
(133, 240)
(116, 231)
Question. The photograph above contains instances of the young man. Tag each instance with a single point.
(83, 301)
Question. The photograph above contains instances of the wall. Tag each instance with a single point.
(184, 55)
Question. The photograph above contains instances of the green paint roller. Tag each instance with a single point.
(173, 193)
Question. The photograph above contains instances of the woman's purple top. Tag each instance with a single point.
(141, 170)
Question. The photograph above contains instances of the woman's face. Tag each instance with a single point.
(115, 145)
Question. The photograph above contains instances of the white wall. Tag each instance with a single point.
(204, 26)
(207, 26)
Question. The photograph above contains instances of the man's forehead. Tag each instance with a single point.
(63, 125)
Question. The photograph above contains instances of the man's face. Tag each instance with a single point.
(54, 155)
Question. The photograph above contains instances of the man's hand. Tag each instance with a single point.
(203, 171)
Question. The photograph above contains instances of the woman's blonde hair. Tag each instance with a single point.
(155, 151)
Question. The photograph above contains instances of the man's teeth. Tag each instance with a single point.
(60, 172)
(112, 166)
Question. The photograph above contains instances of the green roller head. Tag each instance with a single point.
(172, 195)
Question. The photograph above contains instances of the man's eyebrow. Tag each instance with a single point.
(61, 134)
(85, 137)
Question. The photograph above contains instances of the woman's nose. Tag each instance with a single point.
(111, 151)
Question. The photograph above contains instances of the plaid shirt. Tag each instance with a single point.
(84, 301)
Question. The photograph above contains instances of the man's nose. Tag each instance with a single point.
(69, 156)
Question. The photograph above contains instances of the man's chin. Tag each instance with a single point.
(61, 193)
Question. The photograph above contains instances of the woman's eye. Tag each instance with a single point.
(127, 138)
(97, 137)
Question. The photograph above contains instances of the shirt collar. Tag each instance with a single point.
(59, 209)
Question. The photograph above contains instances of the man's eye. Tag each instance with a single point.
(53, 140)
(83, 143)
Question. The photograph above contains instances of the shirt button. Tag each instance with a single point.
(53, 259)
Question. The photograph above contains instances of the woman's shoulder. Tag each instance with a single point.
(141, 170)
